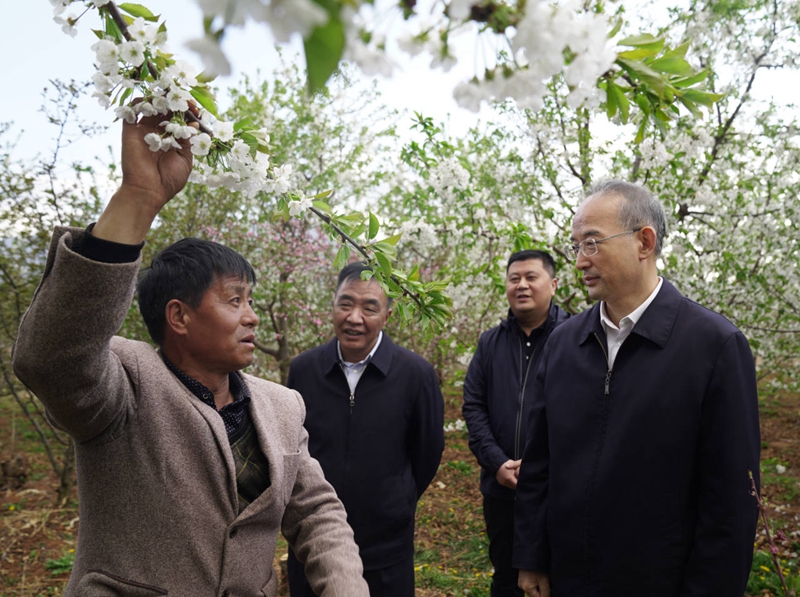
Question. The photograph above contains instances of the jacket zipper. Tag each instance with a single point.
(589, 497)
(352, 394)
(521, 398)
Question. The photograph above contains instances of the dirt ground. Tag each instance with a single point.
(37, 539)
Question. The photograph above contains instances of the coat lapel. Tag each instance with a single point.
(263, 417)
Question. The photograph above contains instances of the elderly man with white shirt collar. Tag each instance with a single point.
(375, 418)
(634, 480)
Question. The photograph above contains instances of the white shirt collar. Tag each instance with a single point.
(632, 318)
(366, 359)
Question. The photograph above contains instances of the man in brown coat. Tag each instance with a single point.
(187, 468)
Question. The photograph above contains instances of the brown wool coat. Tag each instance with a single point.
(156, 480)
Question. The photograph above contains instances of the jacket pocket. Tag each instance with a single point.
(96, 583)
(271, 588)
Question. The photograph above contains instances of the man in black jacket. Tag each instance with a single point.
(497, 396)
(375, 419)
(644, 426)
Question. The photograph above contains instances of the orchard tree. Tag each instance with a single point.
(537, 42)
(729, 184)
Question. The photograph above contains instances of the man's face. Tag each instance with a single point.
(529, 288)
(221, 330)
(613, 271)
(360, 310)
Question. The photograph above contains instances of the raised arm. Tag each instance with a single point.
(149, 180)
(62, 352)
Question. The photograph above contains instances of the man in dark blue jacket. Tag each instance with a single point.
(634, 480)
(497, 398)
(375, 420)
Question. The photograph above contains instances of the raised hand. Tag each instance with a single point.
(149, 180)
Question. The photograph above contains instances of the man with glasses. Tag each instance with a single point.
(498, 396)
(644, 429)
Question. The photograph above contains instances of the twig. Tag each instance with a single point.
(773, 549)
(363, 250)
(113, 11)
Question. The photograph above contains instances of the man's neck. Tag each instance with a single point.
(530, 321)
(628, 304)
(217, 383)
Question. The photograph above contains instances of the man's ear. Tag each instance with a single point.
(178, 316)
(648, 242)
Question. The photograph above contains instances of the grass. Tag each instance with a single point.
(62, 564)
(764, 579)
(451, 556)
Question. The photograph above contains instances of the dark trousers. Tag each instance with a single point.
(499, 516)
(396, 580)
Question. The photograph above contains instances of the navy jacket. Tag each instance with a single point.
(379, 452)
(635, 481)
(498, 392)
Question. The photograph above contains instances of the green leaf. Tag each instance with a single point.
(637, 54)
(640, 133)
(342, 257)
(620, 99)
(384, 263)
(611, 100)
(205, 77)
(205, 98)
(243, 124)
(679, 51)
(644, 40)
(323, 49)
(322, 206)
(691, 106)
(385, 248)
(251, 141)
(324, 195)
(704, 98)
(137, 10)
(653, 80)
(392, 240)
(374, 226)
(413, 276)
(674, 65)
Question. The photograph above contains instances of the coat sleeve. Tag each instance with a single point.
(315, 525)
(63, 347)
(475, 409)
(729, 447)
(531, 548)
(427, 431)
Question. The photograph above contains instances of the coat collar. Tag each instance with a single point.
(381, 360)
(656, 323)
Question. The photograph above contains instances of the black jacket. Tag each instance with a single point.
(498, 390)
(635, 480)
(380, 452)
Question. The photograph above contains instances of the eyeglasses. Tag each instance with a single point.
(589, 246)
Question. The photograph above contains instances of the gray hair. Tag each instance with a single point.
(639, 207)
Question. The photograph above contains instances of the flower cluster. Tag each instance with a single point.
(137, 75)
(545, 35)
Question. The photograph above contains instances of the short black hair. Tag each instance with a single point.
(184, 271)
(353, 271)
(543, 256)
